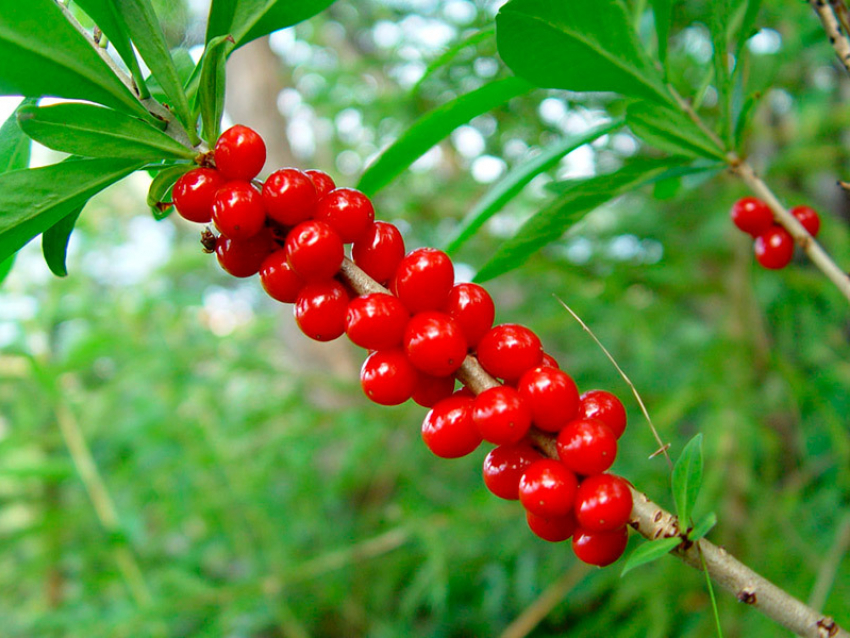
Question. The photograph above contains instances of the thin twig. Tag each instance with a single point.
(830, 563)
(831, 25)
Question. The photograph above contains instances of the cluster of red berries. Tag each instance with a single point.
(774, 246)
(293, 228)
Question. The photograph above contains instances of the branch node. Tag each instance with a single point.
(827, 627)
(747, 596)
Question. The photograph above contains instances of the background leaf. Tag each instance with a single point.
(720, 18)
(247, 20)
(43, 55)
(687, 478)
(54, 242)
(580, 46)
(433, 127)
(662, 10)
(444, 59)
(649, 552)
(670, 130)
(211, 89)
(94, 131)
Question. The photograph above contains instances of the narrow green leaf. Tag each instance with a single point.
(14, 144)
(662, 11)
(580, 46)
(433, 127)
(703, 526)
(670, 130)
(247, 20)
(687, 478)
(163, 182)
(93, 131)
(6, 267)
(746, 30)
(512, 184)
(54, 242)
(43, 55)
(150, 41)
(649, 552)
(551, 222)
(720, 17)
(444, 59)
(33, 200)
(211, 88)
(744, 118)
(185, 65)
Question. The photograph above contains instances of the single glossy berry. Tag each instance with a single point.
(314, 250)
(238, 210)
(509, 350)
(434, 343)
(603, 406)
(423, 279)
(549, 361)
(548, 488)
(504, 467)
(239, 153)
(193, 194)
(376, 321)
(808, 217)
(379, 251)
(752, 215)
(774, 248)
(243, 257)
(323, 182)
(587, 446)
(320, 309)
(600, 548)
(387, 377)
(348, 211)
(551, 395)
(553, 529)
(290, 196)
(431, 390)
(603, 503)
(472, 307)
(448, 430)
(501, 415)
(278, 278)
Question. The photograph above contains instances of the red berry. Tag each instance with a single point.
(774, 248)
(551, 395)
(238, 210)
(600, 548)
(379, 251)
(509, 350)
(553, 529)
(239, 153)
(243, 257)
(423, 279)
(387, 377)
(320, 309)
(314, 250)
(323, 182)
(603, 503)
(376, 321)
(472, 307)
(430, 390)
(603, 406)
(504, 467)
(808, 217)
(193, 194)
(549, 361)
(290, 196)
(278, 279)
(587, 446)
(448, 430)
(348, 211)
(501, 415)
(548, 488)
(434, 343)
(752, 215)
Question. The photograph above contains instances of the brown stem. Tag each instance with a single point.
(652, 521)
(831, 25)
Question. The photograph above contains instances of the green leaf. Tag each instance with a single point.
(649, 552)
(150, 41)
(744, 118)
(186, 70)
(54, 242)
(513, 183)
(33, 200)
(720, 18)
(551, 222)
(94, 131)
(211, 88)
(43, 55)
(247, 20)
(670, 130)
(746, 30)
(662, 10)
(6, 267)
(580, 46)
(161, 186)
(446, 58)
(14, 145)
(687, 478)
(433, 127)
(703, 527)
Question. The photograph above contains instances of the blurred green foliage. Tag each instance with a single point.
(227, 486)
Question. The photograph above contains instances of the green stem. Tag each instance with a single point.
(711, 593)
